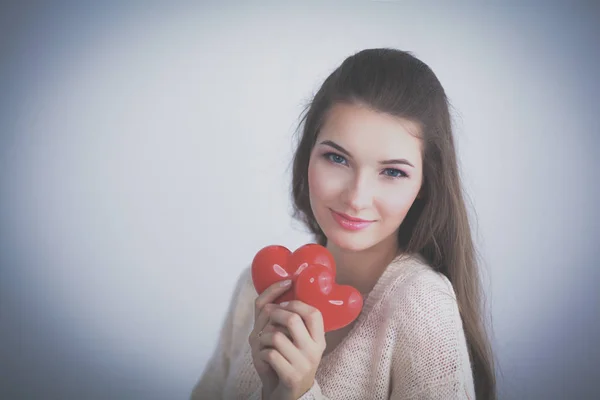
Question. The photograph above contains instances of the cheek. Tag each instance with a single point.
(396, 203)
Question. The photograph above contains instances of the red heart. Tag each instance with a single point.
(312, 270)
(339, 304)
(276, 263)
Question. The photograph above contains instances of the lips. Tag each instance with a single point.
(350, 223)
(349, 218)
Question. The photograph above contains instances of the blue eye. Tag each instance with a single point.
(394, 173)
(336, 158)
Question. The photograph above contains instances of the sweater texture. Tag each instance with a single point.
(407, 343)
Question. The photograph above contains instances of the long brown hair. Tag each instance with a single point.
(437, 225)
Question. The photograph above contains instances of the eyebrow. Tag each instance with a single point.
(346, 152)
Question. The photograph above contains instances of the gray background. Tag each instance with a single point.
(144, 154)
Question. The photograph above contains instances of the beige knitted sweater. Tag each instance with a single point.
(407, 343)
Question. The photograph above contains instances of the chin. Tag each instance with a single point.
(353, 242)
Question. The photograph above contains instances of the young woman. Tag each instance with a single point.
(375, 178)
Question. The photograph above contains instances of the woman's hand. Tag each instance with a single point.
(295, 351)
(263, 307)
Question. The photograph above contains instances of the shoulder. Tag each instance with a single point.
(423, 299)
(427, 286)
(419, 279)
(410, 277)
(244, 284)
(244, 293)
(241, 311)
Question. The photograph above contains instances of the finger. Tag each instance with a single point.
(263, 318)
(295, 325)
(269, 328)
(284, 370)
(312, 317)
(280, 342)
(271, 294)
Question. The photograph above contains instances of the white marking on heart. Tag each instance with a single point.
(280, 271)
(301, 268)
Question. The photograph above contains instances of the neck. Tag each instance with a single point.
(362, 269)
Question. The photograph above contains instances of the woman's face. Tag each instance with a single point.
(364, 174)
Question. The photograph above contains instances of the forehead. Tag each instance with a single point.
(363, 131)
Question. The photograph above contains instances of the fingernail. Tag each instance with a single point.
(284, 303)
(286, 282)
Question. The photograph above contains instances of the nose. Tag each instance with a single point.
(359, 193)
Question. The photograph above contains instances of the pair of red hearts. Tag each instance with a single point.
(312, 271)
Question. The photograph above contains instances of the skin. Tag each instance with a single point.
(287, 344)
(361, 186)
(349, 172)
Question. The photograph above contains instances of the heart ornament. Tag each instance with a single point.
(312, 271)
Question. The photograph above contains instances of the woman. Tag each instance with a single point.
(375, 178)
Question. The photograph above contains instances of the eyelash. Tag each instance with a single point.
(400, 174)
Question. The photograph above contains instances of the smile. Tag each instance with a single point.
(350, 223)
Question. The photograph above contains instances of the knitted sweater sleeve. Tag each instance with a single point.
(212, 381)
